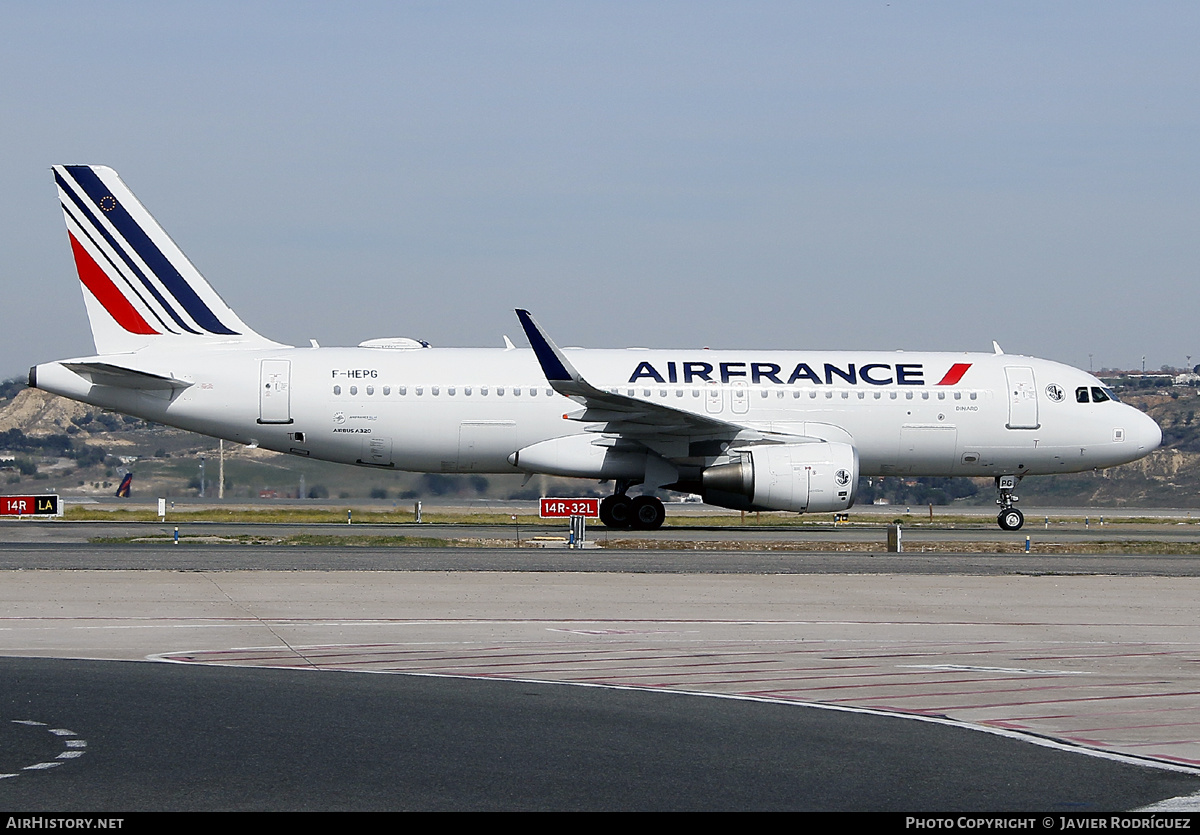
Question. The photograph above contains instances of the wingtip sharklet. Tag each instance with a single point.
(554, 365)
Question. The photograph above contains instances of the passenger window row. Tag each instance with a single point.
(780, 393)
(517, 391)
(449, 391)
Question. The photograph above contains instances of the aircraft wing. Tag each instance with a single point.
(665, 429)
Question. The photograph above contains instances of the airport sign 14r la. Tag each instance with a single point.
(29, 505)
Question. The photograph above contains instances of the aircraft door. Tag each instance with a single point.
(739, 397)
(274, 391)
(714, 398)
(1022, 398)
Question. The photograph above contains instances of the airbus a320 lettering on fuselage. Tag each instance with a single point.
(751, 430)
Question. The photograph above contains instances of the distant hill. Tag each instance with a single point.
(35, 412)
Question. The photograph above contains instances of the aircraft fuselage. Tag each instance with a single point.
(470, 409)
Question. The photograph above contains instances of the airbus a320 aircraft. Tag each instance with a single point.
(748, 430)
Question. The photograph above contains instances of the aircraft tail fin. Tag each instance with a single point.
(126, 484)
(139, 287)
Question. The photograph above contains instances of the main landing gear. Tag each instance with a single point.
(643, 513)
(1010, 519)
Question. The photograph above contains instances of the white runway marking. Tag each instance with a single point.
(73, 748)
(1016, 670)
(1186, 803)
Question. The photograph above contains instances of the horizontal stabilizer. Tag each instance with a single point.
(107, 374)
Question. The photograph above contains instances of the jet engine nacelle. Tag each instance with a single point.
(805, 478)
(577, 456)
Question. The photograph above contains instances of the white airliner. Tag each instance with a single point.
(768, 430)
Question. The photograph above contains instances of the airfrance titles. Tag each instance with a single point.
(871, 373)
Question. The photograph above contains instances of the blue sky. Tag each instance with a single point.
(928, 176)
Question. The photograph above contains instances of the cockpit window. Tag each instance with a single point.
(1098, 395)
(1112, 395)
(1081, 395)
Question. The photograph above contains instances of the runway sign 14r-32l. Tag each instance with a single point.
(564, 508)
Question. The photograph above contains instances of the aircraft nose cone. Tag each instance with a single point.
(1147, 433)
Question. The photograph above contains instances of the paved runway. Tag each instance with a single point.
(1100, 654)
(164, 737)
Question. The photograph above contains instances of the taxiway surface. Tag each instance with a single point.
(846, 681)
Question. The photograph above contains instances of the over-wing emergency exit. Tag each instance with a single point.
(753, 430)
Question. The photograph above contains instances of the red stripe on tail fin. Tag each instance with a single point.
(101, 286)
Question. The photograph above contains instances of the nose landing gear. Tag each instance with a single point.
(1010, 519)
